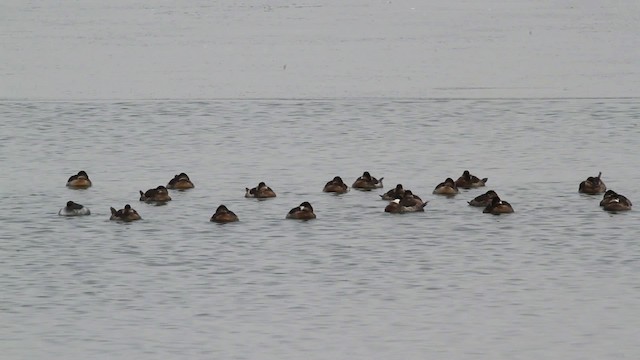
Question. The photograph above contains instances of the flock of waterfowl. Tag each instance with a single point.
(401, 200)
(611, 201)
(160, 194)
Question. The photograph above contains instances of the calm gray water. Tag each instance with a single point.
(202, 49)
(556, 279)
(534, 95)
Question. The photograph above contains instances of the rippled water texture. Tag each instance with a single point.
(534, 95)
(556, 279)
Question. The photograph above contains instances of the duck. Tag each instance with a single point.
(409, 199)
(336, 186)
(367, 182)
(395, 193)
(74, 209)
(468, 181)
(616, 202)
(126, 214)
(159, 194)
(593, 185)
(262, 191)
(408, 203)
(79, 181)
(608, 196)
(394, 207)
(180, 182)
(498, 207)
(483, 200)
(448, 187)
(302, 212)
(223, 215)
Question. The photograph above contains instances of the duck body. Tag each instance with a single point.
(483, 200)
(593, 185)
(615, 202)
(336, 186)
(262, 191)
(468, 181)
(608, 196)
(367, 182)
(447, 187)
(302, 212)
(159, 194)
(224, 215)
(74, 209)
(79, 181)
(395, 193)
(408, 203)
(180, 182)
(395, 207)
(126, 214)
(498, 207)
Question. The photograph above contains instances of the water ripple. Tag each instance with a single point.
(354, 281)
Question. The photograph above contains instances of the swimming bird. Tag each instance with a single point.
(159, 194)
(74, 209)
(367, 182)
(395, 193)
(262, 191)
(408, 203)
(180, 182)
(468, 181)
(608, 196)
(593, 185)
(302, 212)
(483, 200)
(79, 181)
(616, 202)
(447, 187)
(336, 186)
(498, 207)
(126, 214)
(224, 215)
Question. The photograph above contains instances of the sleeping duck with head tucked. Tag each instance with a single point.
(336, 186)
(468, 181)
(593, 185)
(262, 191)
(408, 203)
(159, 194)
(74, 209)
(608, 196)
(79, 181)
(367, 182)
(395, 193)
(614, 202)
(180, 182)
(302, 212)
(483, 200)
(447, 187)
(126, 214)
(224, 215)
(498, 207)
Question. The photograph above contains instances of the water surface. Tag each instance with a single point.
(556, 279)
(536, 96)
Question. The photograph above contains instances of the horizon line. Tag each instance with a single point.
(403, 98)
